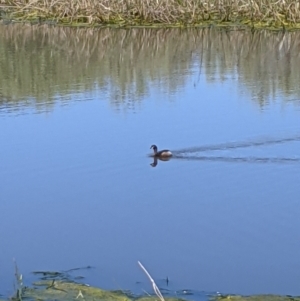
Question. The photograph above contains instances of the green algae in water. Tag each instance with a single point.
(64, 291)
(59, 290)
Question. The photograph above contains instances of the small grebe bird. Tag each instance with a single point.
(162, 154)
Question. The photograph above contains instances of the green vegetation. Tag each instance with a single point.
(52, 287)
(256, 13)
(59, 286)
(67, 291)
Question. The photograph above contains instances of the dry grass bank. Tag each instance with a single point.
(256, 13)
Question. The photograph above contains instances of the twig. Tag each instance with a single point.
(155, 288)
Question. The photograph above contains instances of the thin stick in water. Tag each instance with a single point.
(155, 288)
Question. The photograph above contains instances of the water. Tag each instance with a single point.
(79, 110)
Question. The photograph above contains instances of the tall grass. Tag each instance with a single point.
(278, 13)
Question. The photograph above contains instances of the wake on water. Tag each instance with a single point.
(191, 152)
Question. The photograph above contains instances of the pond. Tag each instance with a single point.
(79, 110)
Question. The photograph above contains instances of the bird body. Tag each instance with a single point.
(161, 154)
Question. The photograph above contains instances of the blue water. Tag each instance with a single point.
(77, 188)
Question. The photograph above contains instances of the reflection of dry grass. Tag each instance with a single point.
(41, 63)
(178, 12)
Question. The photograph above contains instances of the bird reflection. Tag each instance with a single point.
(265, 160)
(155, 160)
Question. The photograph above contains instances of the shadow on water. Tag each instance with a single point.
(190, 154)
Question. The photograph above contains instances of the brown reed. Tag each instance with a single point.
(257, 13)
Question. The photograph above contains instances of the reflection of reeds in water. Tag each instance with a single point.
(39, 64)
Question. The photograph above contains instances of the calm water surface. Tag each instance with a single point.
(79, 109)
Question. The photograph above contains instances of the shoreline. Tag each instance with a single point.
(65, 290)
(203, 25)
(263, 14)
